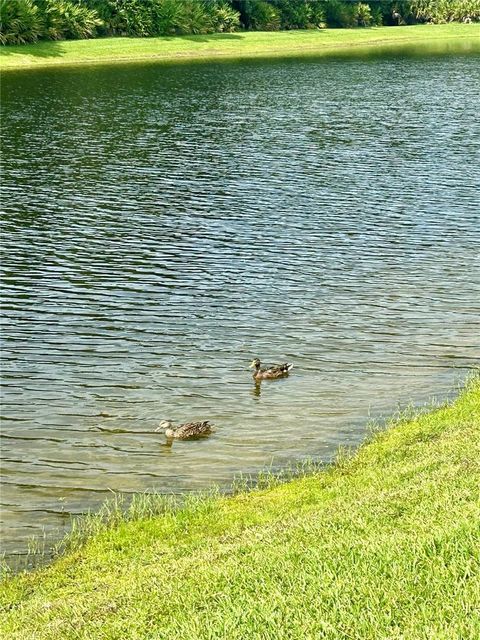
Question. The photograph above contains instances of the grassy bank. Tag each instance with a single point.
(228, 45)
(384, 545)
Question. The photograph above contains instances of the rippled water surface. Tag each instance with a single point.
(164, 225)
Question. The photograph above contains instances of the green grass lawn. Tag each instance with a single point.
(229, 45)
(384, 545)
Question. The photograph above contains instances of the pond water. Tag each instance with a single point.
(164, 225)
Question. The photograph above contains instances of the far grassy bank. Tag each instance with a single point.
(232, 45)
(386, 544)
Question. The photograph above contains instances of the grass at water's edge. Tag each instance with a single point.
(227, 45)
(385, 544)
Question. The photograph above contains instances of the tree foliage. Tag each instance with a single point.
(64, 19)
(446, 10)
(21, 22)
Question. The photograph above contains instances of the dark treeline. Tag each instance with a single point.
(25, 21)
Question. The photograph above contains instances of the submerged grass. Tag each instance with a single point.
(383, 544)
(231, 45)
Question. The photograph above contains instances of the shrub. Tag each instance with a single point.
(377, 16)
(66, 20)
(445, 10)
(126, 17)
(317, 17)
(339, 14)
(20, 22)
(264, 17)
(225, 18)
(293, 15)
(166, 15)
(363, 15)
(467, 11)
(194, 17)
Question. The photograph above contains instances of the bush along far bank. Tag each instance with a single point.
(24, 21)
(382, 544)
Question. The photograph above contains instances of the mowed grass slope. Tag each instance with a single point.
(230, 45)
(384, 545)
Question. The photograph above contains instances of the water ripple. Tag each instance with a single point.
(162, 226)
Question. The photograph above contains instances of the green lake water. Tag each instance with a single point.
(163, 225)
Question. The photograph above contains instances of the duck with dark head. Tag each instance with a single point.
(270, 373)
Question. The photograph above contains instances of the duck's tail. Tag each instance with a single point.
(288, 366)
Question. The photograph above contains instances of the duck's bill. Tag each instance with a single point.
(252, 364)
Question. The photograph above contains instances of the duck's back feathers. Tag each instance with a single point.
(191, 430)
(276, 371)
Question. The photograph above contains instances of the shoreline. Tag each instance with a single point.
(378, 542)
(233, 46)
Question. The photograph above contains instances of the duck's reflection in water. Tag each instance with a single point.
(257, 390)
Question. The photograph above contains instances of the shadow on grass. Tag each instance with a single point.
(55, 49)
(44, 49)
(208, 37)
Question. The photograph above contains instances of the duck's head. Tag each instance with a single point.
(167, 427)
(255, 364)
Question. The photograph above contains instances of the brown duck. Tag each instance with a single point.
(185, 431)
(270, 373)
